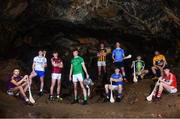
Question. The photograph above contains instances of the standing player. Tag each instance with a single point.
(76, 75)
(57, 66)
(101, 63)
(117, 84)
(118, 57)
(159, 62)
(38, 69)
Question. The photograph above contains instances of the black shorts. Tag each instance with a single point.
(119, 64)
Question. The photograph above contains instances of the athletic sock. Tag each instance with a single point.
(159, 94)
(85, 98)
(75, 98)
(26, 99)
(41, 90)
(119, 95)
(107, 95)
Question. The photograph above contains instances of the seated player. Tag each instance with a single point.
(139, 68)
(159, 62)
(117, 84)
(167, 82)
(18, 84)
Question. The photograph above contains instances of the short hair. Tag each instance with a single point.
(75, 49)
(55, 51)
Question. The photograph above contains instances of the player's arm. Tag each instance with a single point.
(113, 54)
(143, 65)
(33, 66)
(13, 81)
(61, 65)
(70, 72)
(53, 63)
(154, 62)
(165, 62)
(85, 69)
(123, 53)
(119, 80)
(111, 79)
(45, 63)
(105, 53)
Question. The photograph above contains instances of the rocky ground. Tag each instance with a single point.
(132, 105)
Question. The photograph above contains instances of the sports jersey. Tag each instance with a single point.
(173, 78)
(56, 69)
(101, 56)
(116, 76)
(139, 64)
(118, 54)
(11, 85)
(77, 65)
(159, 59)
(39, 63)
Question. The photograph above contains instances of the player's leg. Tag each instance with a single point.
(154, 68)
(99, 68)
(161, 88)
(120, 88)
(107, 90)
(53, 82)
(21, 91)
(41, 86)
(161, 71)
(25, 86)
(144, 72)
(169, 88)
(83, 89)
(75, 93)
(32, 75)
(104, 67)
(59, 86)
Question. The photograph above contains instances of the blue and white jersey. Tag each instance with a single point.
(116, 76)
(39, 63)
(118, 54)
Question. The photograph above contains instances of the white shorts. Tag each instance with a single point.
(115, 87)
(77, 77)
(172, 90)
(56, 76)
(101, 63)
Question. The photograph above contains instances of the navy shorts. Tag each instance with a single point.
(119, 64)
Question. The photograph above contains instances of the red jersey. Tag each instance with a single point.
(173, 78)
(56, 69)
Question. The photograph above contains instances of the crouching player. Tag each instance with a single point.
(167, 82)
(139, 68)
(117, 84)
(18, 84)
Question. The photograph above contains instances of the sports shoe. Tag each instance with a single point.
(41, 93)
(85, 102)
(51, 98)
(106, 100)
(28, 103)
(74, 102)
(59, 98)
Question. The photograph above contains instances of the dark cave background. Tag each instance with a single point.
(141, 26)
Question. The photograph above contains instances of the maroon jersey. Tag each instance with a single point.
(56, 69)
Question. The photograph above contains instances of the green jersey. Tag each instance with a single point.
(77, 65)
(139, 64)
